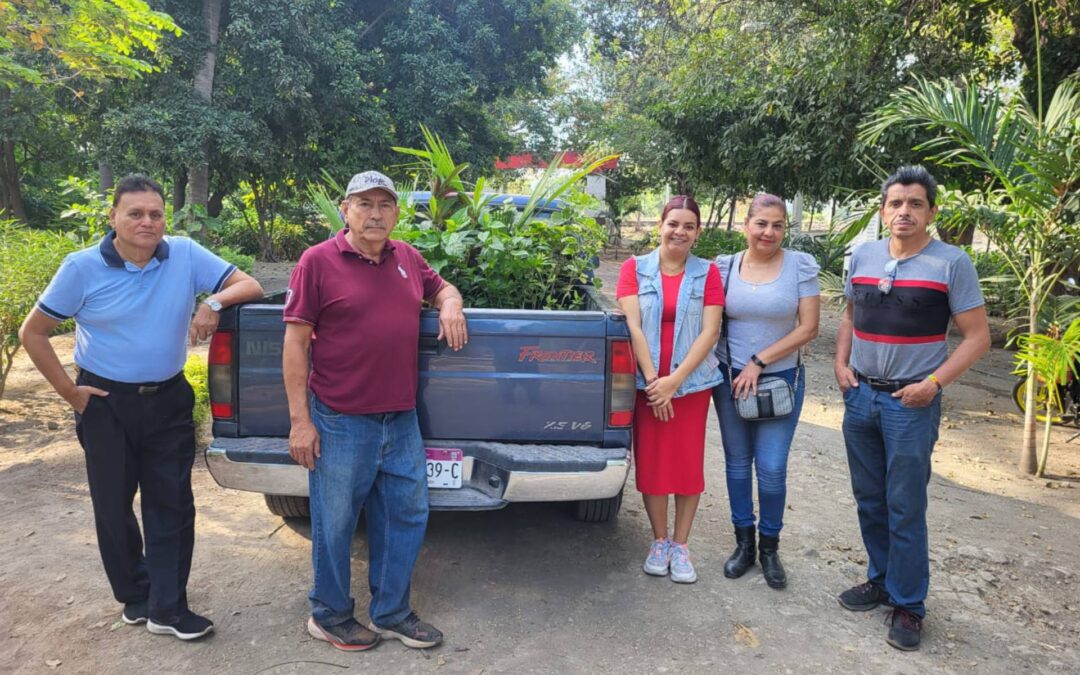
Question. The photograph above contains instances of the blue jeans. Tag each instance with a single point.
(888, 449)
(375, 463)
(762, 446)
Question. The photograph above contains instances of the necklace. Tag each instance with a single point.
(765, 263)
(672, 270)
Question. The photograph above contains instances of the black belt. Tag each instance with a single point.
(141, 388)
(879, 384)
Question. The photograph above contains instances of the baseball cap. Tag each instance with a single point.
(370, 180)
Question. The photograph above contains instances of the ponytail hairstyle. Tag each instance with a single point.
(764, 200)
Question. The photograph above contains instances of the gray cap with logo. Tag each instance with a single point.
(370, 180)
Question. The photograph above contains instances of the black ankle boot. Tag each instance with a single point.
(743, 557)
(770, 562)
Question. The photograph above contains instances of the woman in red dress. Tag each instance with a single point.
(672, 301)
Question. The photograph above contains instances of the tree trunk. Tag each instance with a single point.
(714, 217)
(105, 177)
(11, 201)
(731, 213)
(1028, 462)
(179, 196)
(264, 217)
(199, 174)
(216, 203)
(795, 225)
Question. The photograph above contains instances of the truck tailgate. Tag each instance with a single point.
(525, 376)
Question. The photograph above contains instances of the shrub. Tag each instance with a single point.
(714, 242)
(195, 371)
(86, 217)
(496, 255)
(828, 250)
(30, 259)
(289, 239)
(1001, 289)
(501, 260)
(246, 263)
(711, 243)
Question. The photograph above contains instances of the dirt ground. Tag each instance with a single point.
(529, 590)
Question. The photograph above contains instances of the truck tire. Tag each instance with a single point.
(598, 510)
(288, 507)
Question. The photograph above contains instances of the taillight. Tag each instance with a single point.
(623, 369)
(221, 375)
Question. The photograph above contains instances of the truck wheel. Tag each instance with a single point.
(287, 506)
(598, 510)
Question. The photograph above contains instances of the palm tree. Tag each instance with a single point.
(1053, 357)
(1030, 161)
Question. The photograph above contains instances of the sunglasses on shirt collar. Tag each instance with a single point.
(885, 284)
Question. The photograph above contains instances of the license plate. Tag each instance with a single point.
(444, 467)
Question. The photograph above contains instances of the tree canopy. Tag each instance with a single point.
(743, 96)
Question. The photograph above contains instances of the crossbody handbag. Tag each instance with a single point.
(775, 397)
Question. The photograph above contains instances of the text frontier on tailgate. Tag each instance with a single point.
(621, 369)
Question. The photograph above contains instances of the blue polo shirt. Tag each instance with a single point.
(131, 324)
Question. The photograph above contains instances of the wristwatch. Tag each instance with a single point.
(757, 362)
(212, 304)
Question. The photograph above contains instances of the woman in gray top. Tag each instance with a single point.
(772, 309)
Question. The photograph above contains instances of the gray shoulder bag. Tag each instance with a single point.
(775, 397)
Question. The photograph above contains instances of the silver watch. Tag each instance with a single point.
(212, 304)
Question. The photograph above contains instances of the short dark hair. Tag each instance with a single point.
(909, 175)
(136, 182)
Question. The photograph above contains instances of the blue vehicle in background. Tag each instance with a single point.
(543, 211)
(536, 408)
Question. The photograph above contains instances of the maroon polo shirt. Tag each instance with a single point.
(367, 323)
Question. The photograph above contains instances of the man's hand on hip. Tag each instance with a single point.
(845, 377)
(304, 444)
(79, 397)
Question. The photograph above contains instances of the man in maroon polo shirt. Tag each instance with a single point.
(354, 305)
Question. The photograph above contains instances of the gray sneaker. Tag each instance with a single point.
(412, 632)
(682, 570)
(348, 636)
(659, 559)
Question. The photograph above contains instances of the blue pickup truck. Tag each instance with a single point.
(536, 408)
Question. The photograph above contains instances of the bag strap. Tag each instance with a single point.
(724, 317)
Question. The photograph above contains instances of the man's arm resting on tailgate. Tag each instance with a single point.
(451, 317)
(295, 364)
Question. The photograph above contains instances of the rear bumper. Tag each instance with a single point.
(494, 474)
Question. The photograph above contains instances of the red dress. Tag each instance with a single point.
(669, 457)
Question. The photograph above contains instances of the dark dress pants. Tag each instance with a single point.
(143, 441)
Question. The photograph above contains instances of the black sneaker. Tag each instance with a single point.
(864, 597)
(348, 636)
(189, 627)
(905, 629)
(135, 612)
(412, 632)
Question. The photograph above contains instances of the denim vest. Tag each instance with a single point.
(688, 312)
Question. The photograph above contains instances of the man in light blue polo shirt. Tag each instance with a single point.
(132, 296)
